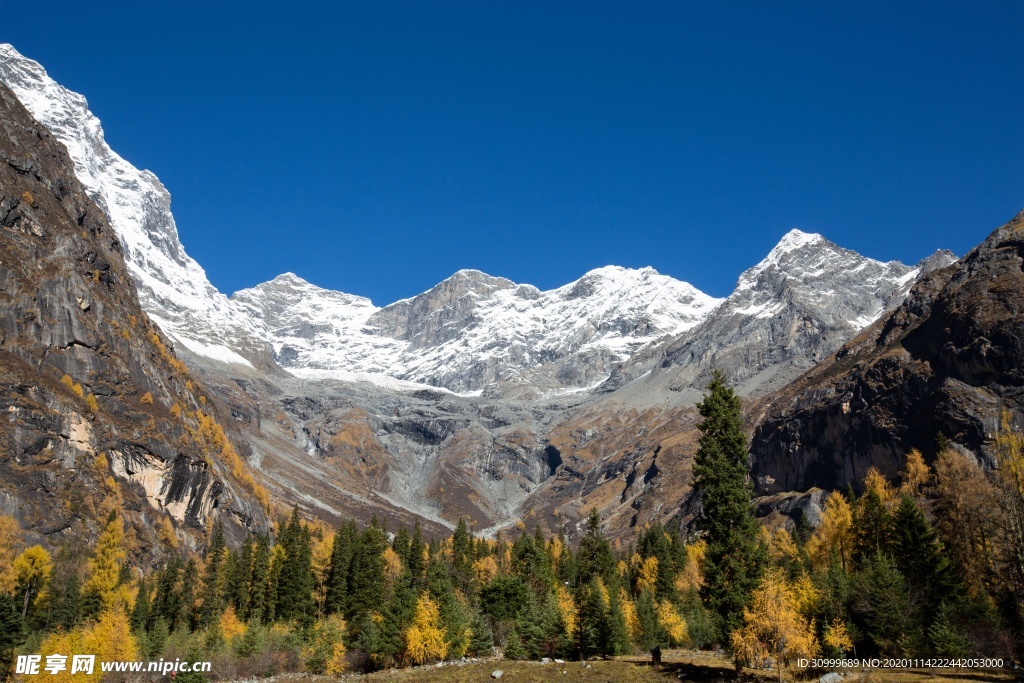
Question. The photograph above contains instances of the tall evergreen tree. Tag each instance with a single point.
(417, 549)
(594, 557)
(167, 602)
(11, 633)
(213, 579)
(295, 583)
(142, 608)
(368, 575)
(462, 556)
(735, 557)
(873, 526)
(341, 568)
(186, 615)
(920, 559)
(258, 580)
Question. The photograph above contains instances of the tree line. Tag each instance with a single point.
(931, 565)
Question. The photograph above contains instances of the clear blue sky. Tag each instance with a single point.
(377, 148)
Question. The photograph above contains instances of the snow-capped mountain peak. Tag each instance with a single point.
(172, 287)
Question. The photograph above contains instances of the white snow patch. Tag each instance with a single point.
(214, 351)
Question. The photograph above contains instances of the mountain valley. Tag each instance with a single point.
(494, 401)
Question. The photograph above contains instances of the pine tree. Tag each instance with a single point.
(651, 635)
(142, 608)
(618, 631)
(295, 586)
(873, 525)
(920, 559)
(186, 614)
(592, 628)
(481, 641)
(341, 568)
(257, 585)
(213, 579)
(735, 557)
(514, 647)
(654, 542)
(237, 574)
(462, 557)
(417, 549)
(65, 600)
(594, 557)
(367, 583)
(167, 602)
(11, 633)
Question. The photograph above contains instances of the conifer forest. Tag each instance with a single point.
(930, 565)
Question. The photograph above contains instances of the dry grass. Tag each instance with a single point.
(693, 667)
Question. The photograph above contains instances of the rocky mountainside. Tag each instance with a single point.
(481, 397)
(793, 309)
(172, 287)
(98, 413)
(948, 360)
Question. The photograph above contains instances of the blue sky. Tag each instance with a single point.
(377, 148)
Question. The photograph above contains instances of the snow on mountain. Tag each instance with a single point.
(465, 333)
(172, 287)
(474, 330)
(803, 301)
(471, 331)
(844, 287)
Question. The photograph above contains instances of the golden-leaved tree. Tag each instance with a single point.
(32, 568)
(109, 639)
(424, 640)
(834, 534)
(10, 546)
(104, 582)
(773, 626)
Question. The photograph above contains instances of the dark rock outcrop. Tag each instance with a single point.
(96, 412)
(948, 360)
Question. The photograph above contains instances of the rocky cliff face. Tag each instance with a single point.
(947, 360)
(97, 412)
(171, 286)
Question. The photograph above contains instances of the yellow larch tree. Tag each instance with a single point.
(875, 482)
(1009, 448)
(105, 566)
(629, 615)
(781, 547)
(424, 640)
(834, 534)
(647, 574)
(567, 608)
(690, 578)
(230, 625)
(392, 565)
(837, 637)
(485, 569)
(915, 475)
(11, 545)
(673, 624)
(32, 568)
(773, 626)
(323, 544)
(110, 638)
